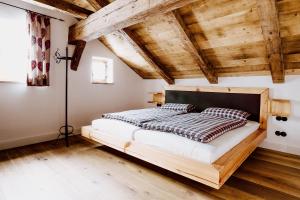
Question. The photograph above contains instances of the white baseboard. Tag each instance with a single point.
(12, 143)
(281, 147)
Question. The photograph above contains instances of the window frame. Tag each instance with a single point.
(108, 63)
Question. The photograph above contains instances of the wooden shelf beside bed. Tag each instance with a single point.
(213, 175)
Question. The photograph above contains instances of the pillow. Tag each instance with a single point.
(227, 112)
(178, 107)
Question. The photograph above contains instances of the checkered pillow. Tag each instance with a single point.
(227, 112)
(179, 107)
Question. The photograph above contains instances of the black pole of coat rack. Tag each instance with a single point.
(64, 130)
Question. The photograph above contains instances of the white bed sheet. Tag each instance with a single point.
(203, 152)
(118, 128)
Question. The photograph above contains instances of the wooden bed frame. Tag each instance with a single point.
(213, 175)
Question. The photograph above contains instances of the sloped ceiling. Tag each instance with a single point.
(228, 33)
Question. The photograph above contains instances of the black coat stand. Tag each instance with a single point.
(67, 129)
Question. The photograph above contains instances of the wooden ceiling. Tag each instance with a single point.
(194, 38)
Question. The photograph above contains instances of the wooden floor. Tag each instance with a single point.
(86, 172)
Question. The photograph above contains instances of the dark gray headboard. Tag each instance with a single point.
(246, 102)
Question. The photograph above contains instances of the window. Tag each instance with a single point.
(102, 70)
(14, 43)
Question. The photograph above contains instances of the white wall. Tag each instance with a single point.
(31, 114)
(288, 90)
(88, 101)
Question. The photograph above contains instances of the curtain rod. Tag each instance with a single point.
(31, 11)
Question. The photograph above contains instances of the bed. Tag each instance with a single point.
(208, 163)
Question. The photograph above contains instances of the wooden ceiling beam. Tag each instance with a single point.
(98, 4)
(121, 14)
(191, 45)
(146, 54)
(79, 47)
(135, 43)
(270, 29)
(80, 44)
(66, 7)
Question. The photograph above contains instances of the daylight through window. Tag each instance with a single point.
(102, 70)
(14, 43)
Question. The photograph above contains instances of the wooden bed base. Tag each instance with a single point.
(213, 175)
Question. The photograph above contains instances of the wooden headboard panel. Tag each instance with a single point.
(252, 100)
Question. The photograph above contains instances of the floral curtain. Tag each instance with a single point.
(39, 51)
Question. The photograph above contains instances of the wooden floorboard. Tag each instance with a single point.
(86, 171)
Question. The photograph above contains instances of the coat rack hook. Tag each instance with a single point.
(57, 56)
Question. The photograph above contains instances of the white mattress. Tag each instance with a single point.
(118, 128)
(203, 152)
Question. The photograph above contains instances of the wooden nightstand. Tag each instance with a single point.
(157, 98)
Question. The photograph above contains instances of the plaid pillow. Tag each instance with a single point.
(227, 112)
(179, 107)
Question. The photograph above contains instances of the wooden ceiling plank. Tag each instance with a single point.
(121, 14)
(146, 54)
(192, 46)
(66, 7)
(270, 28)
